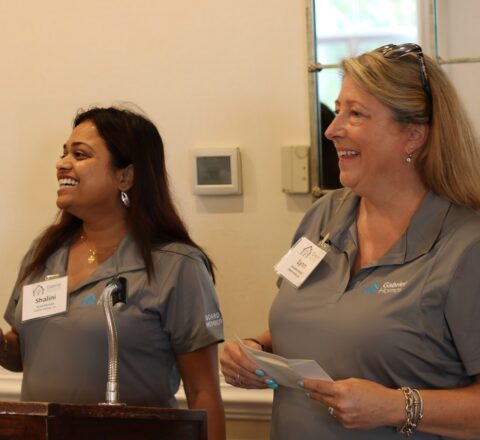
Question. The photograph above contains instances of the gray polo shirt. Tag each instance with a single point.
(408, 319)
(65, 357)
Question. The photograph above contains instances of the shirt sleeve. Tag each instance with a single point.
(193, 318)
(9, 314)
(462, 309)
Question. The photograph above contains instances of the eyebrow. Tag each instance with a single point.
(350, 102)
(78, 144)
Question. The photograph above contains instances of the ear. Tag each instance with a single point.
(417, 137)
(125, 178)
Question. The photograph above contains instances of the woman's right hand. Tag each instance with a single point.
(10, 357)
(238, 369)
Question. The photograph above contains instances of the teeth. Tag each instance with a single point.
(67, 182)
(347, 153)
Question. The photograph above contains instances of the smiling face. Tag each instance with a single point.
(371, 145)
(88, 183)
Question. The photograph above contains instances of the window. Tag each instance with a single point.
(346, 28)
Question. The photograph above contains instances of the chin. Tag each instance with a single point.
(62, 204)
(345, 181)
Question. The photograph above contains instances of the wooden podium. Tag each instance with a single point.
(55, 421)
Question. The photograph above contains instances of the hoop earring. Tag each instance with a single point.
(125, 198)
(408, 159)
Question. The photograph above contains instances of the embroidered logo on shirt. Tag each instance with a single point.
(89, 300)
(386, 288)
(370, 290)
(213, 319)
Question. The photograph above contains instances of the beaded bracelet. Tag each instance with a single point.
(413, 410)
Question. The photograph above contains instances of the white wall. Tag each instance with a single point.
(209, 73)
(213, 73)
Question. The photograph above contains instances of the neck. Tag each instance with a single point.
(398, 198)
(394, 205)
(102, 234)
(381, 222)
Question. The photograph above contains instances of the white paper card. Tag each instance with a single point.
(44, 299)
(286, 372)
(300, 261)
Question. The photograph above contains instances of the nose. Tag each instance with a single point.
(64, 163)
(336, 128)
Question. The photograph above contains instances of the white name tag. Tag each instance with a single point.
(300, 261)
(44, 299)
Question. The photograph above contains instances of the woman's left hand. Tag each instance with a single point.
(359, 403)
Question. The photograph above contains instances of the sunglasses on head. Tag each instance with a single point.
(395, 52)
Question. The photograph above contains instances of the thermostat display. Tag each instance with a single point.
(216, 171)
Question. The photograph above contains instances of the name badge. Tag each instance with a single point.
(44, 299)
(300, 261)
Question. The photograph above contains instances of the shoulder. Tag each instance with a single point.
(179, 253)
(181, 266)
(462, 224)
(30, 253)
(450, 231)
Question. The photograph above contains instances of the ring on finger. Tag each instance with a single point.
(238, 379)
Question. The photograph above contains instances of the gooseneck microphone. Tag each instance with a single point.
(114, 292)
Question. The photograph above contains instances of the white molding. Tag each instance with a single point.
(10, 384)
(240, 404)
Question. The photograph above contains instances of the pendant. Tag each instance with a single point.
(92, 257)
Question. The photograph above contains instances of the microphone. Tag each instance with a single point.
(114, 292)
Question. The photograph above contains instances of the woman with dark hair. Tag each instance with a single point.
(116, 219)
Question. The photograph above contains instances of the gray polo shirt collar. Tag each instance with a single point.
(126, 258)
(419, 238)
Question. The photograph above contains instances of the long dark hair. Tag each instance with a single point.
(152, 219)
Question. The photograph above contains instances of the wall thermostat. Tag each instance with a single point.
(216, 171)
(295, 170)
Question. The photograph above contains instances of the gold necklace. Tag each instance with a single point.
(93, 253)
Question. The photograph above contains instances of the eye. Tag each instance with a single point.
(356, 113)
(79, 155)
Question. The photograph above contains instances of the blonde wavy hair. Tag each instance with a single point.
(449, 162)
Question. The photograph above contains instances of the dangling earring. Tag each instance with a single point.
(125, 198)
(408, 159)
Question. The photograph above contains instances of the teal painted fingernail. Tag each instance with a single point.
(307, 394)
(260, 373)
(301, 384)
(270, 381)
(272, 386)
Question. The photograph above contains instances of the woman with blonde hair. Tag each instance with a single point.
(391, 311)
